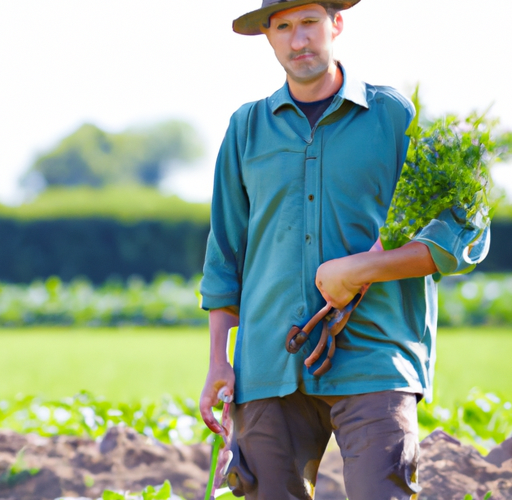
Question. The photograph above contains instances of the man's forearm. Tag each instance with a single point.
(221, 320)
(413, 260)
(220, 374)
(340, 279)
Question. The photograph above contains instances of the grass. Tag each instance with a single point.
(121, 364)
(128, 364)
(469, 357)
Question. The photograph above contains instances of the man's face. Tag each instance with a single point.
(302, 39)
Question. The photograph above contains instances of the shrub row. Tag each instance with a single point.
(472, 299)
(124, 203)
(99, 249)
(167, 300)
(475, 299)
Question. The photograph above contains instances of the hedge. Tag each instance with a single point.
(126, 203)
(500, 254)
(99, 248)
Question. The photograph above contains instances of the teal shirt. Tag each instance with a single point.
(286, 199)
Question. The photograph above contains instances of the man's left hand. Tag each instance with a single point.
(339, 280)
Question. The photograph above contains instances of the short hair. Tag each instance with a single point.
(331, 9)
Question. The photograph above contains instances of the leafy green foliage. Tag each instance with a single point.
(91, 156)
(169, 420)
(483, 420)
(447, 166)
(486, 497)
(481, 299)
(168, 300)
(149, 493)
(127, 203)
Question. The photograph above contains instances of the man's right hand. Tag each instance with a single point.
(220, 375)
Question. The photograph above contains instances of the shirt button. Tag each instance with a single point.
(311, 197)
(308, 238)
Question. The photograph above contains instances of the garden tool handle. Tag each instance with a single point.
(223, 397)
(297, 335)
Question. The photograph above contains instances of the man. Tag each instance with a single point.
(303, 182)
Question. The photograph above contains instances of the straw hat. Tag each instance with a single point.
(250, 23)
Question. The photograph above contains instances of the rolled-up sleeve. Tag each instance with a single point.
(456, 243)
(222, 280)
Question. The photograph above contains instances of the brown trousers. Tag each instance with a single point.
(281, 442)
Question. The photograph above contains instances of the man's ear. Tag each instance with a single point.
(337, 25)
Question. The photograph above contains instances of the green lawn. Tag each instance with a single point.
(122, 364)
(129, 364)
(469, 357)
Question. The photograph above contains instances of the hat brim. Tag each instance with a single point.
(251, 23)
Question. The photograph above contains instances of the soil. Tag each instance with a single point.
(125, 460)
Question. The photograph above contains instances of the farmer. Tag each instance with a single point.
(303, 182)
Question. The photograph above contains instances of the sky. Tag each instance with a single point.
(124, 63)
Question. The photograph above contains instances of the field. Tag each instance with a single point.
(128, 364)
(125, 364)
(473, 356)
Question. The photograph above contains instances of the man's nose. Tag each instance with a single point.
(299, 39)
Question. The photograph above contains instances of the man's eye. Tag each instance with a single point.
(282, 26)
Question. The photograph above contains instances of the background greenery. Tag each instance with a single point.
(475, 299)
(90, 156)
(135, 367)
(124, 203)
(97, 293)
(123, 364)
(128, 364)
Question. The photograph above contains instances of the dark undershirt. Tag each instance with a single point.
(314, 110)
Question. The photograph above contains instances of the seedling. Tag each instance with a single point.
(18, 471)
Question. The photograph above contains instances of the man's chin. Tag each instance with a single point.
(305, 77)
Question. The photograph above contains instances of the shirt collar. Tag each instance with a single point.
(352, 89)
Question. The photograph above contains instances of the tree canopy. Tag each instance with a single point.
(90, 156)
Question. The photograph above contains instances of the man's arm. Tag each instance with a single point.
(339, 280)
(220, 372)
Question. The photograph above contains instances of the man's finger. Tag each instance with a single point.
(205, 408)
(210, 421)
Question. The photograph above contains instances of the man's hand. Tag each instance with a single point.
(219, 376)
(220, 373)
(339, 280)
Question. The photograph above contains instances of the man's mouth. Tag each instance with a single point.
(303, 54)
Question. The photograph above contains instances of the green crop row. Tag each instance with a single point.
(169, 420)
(475, 299)
(483, 420)
(170, 300)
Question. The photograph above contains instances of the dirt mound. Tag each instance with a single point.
(125, 460)
(448, 471)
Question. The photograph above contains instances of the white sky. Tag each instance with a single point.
(118, 63)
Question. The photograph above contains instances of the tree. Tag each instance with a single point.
(91, 156)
